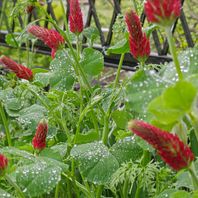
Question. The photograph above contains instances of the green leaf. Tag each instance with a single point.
(174, 102)
(15, 153)
(91, 33)
(184, 180)
(11, 40)
(142, 88)
(39, 70)
(121, 118)
(38, 178)
(179, 194)
(48, 152)
(42, 78)
(84, 138)
(96, 163)
(92, 61)
(119, 48)
(61, 148)
(166, 193)
(62, 74)
(126, 150)
(5, 194)
(32, 115)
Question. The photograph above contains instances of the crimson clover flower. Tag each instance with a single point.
(3, 163)
(49, 36)
(20, 70)
(163, 12)
(171, 149)
(39, 140)
(75, 17)
(138, 41)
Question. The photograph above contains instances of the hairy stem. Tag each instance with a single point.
(5, 123)
(174, 52)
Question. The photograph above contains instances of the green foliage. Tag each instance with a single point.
(92, 61)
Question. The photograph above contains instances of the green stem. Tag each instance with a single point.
(174, 52)
(64, 16)
(193, 176)
(16, 187)
(57, 190)
(107, 115)
(118, 71)
(5, 123)
(125, 188)
(99, 191)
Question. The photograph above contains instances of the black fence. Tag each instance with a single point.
(161, 48)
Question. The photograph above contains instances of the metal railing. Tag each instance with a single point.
(105, 41)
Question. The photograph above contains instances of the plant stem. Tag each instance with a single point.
(99, 191)
(16, 187)
(64, 16)
(57, 190)
(5, 123)
(174, 52)
(118, 71)
(193, 176)
(194, 122)
(125, 188)
(107, 115)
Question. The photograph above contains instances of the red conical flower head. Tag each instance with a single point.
(163, 12)
(50, 37)
(171, 149)
(3, 162)
(75, 17)
(138, 42)
(20, 70)
(39, 140)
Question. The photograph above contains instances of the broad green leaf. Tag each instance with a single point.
(143, 87)
(84, 138)
(5, 194)
(15, 153)
(195, 194)
(184, 180)
(61, 71)
(42, 78)
(121, 118)
(39, 70)
(174, 102)
(91, 33)
(49, 153)
(179, 194)
(61, 148)
(126, 150)
(32, 115)
(96, 163)
(166, 193)
(92, 61)
(38, 178)
(119, 48)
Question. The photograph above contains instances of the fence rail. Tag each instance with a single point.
(105, 41)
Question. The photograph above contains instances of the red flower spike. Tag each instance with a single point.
(139, 43)
(3, 162)
(75, 17)
(171, 149)
(39, 140)
(50, 37)
(20, 70)
(163, 12)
